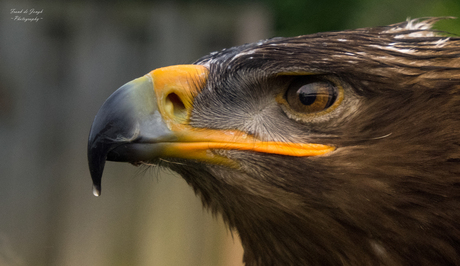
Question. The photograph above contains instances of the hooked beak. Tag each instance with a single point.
(147, 119)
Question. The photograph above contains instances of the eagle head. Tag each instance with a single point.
(337, 148)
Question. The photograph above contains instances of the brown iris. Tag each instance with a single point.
(311, 95)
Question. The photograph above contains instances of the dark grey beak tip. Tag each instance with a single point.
(116, 124)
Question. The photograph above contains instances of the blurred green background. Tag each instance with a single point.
(56, 72)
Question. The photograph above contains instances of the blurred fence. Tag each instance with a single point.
(56, 70)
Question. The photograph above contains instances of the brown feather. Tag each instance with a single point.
(389, 194)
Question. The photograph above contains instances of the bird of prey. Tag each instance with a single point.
(336, 148)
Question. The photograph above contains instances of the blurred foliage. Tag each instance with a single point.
(296, 17)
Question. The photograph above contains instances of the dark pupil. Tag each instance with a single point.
(307, 94)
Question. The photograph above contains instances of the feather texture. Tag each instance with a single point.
(389, 194)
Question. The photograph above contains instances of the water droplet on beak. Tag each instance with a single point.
(96, 191)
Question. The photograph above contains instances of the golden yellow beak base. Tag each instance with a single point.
(187, 81)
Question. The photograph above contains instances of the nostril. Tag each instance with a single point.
(175, 107)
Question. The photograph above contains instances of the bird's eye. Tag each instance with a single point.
(310, 95)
